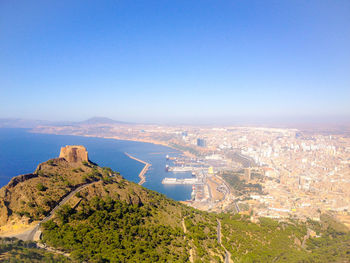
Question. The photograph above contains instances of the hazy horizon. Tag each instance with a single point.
(278, 122)
(176, 62)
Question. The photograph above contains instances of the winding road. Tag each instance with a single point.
(227, 254)
(34, 233)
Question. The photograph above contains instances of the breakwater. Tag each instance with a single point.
(18, 156)
(143, 171)
(167, 180)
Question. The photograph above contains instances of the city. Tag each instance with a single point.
(299, 174)
(175, 131)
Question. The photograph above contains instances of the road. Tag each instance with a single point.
(185, 231)
(227, 254)
(33, 234)
(237, 208)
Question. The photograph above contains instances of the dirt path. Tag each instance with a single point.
(53, 250)
(227, 254)
(185, 231)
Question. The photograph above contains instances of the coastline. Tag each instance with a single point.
(148, 141)
(144, 169)
(185, 153)
(147, 165)
(180, 193)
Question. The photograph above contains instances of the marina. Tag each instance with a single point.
(168, 180)
(177, 169)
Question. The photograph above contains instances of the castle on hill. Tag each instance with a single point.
(74, 153)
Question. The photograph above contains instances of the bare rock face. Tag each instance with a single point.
(3, 212)
(21, 178)
(74, 153)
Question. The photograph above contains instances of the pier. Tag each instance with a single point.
(143, 171)
(167, 180)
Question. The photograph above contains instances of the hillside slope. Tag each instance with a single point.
(28, 198)
(114, 220)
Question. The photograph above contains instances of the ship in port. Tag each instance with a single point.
(192, 181)
(167, 168)
(180, 169)
(193, 193)
(167, 157)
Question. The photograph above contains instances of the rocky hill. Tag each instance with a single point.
(14, 250)
(101, 120)
(29, 198)
(113, 220)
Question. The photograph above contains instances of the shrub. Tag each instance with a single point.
(41, 187)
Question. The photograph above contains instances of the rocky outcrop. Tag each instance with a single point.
(21, 178)
(3, 212)
(135, 200)
(74, 153)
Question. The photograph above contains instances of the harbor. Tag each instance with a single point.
(209, 191)
(143, 171)
(180, 169)
(167, 180)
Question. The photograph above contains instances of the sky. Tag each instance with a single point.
(164, 61)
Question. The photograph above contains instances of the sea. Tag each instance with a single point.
(21, 151)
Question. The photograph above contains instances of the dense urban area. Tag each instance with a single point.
(270, 172)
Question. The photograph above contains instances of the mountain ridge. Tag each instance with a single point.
(29, 123)
(114, 220)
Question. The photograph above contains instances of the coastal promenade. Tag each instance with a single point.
(143, 171)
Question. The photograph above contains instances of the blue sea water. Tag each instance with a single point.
(21, 151)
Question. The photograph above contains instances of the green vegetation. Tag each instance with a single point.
(185, 148)
(40, 187)
(51, 162)
(267, 241)
(271, 241)
(202, 233)
(109, 230)
(36, 196)
(332, 246)
(16, 251)
(77, 170)
(114, 220)
(102, 229)
(233, 179)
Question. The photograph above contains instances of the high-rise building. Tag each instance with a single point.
(247, 174)
(201, 142)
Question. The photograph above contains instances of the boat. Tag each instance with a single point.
(180, 169)
(192, 181)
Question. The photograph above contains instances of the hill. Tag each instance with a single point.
(28, 123)
(22, 123)
(14, 250)
(101, 120)
(113, 220)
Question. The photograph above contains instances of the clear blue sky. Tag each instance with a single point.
(178, 60)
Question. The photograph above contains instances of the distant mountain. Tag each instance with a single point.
(26, 123)
(101, 120)
(21, 123)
